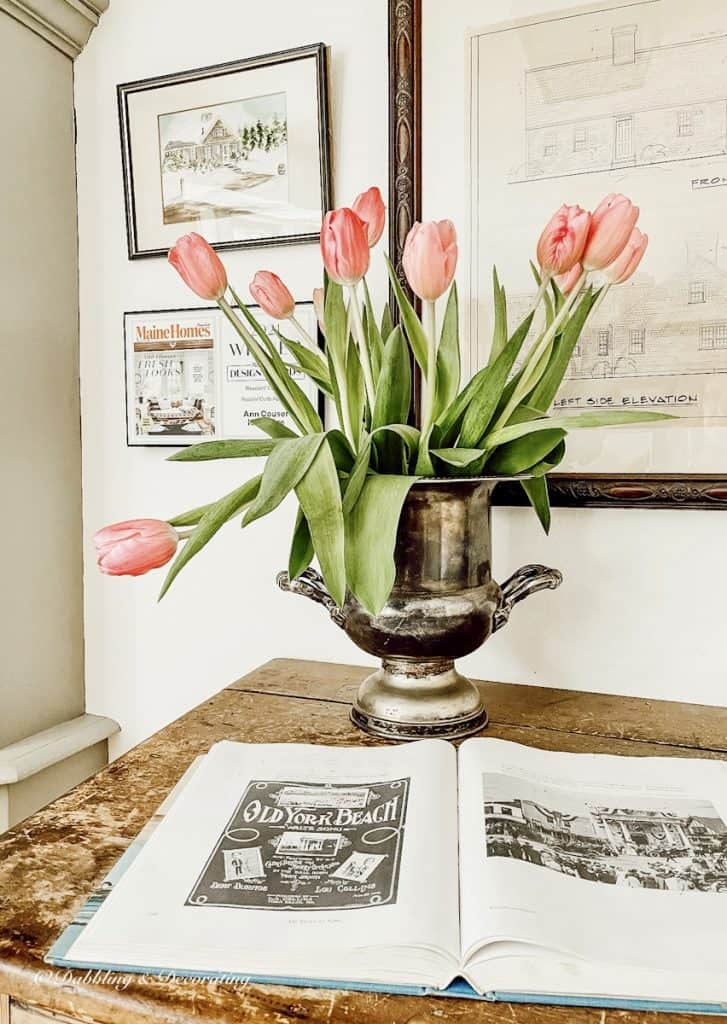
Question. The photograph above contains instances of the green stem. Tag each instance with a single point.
(429, 323)
(532, 363)
(302, 332)
(542, 288)
(359, 334)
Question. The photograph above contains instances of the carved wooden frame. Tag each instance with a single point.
(598, 490)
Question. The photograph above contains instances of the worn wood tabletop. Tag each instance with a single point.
(50, 862)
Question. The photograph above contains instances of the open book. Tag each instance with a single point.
(529, 874)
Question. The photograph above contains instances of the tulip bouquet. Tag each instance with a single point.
(352, 479)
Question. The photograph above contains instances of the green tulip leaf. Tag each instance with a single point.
(579, 420)
(272, 427)
(387, 324)
(373, 334)
(483, 403)
(393, 393)
(319, 494)
(499, 334)
(301, 548)
(412, 324)
(213, 519)
(542, 395)
(520, 455)
(248, 448)
(311, 363)
(371, 529)
(357, 477)
(458, 456)
(286, 465)
(537, 494)
(448, 355)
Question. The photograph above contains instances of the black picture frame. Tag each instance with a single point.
(571, 490)
(320, 402)
(318, 51)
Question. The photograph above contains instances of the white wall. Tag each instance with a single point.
(146, 663)
(641, 609)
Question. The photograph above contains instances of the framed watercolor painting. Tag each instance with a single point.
(238, 152)
(623, 96)
(189, 378)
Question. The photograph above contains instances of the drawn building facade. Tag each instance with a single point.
(216, 143)
(633, 107)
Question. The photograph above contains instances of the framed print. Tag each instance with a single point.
(189, 377)
(625, 96)
(237, 152)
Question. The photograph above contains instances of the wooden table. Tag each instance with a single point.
(50, 862)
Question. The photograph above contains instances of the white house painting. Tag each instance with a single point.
(230, 160)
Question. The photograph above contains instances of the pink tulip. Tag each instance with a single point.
(344, 246)
(370, 208)
(562, 240)
(199, 266)
(567, 282)
(135, 547)
(612, 222)
(430, 258)
(272, 295)
(624, 265)
(319, 301)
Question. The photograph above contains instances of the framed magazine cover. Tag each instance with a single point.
(189, 377)
(662, 343)
(237, 151)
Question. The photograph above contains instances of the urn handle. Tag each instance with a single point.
(310, 584)
(527, 580)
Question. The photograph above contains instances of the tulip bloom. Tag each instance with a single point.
(272, 295)
(370, 208)
(562, 240)
(612, 222)
(567, 282)
(625, 265)
(199, 266)
(430, 258)
(319, 301)
(135, 546)
(344, 246)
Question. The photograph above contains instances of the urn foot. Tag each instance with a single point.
(415, 699)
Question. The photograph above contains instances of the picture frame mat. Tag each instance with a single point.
(300, 73)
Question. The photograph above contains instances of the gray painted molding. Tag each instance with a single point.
(65, 24)
(42, 750)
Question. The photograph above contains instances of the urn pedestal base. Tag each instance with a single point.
(415, 699)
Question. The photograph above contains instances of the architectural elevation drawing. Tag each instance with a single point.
(629, 107)
(632, 98)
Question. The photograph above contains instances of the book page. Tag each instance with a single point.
(288, 859)
(607, 859)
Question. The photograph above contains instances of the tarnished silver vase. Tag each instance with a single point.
(444, 605)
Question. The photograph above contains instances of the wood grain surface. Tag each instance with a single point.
(50, 862)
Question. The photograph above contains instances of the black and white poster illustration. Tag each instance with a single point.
(306, 846)
(667, 844)
(626, 97)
